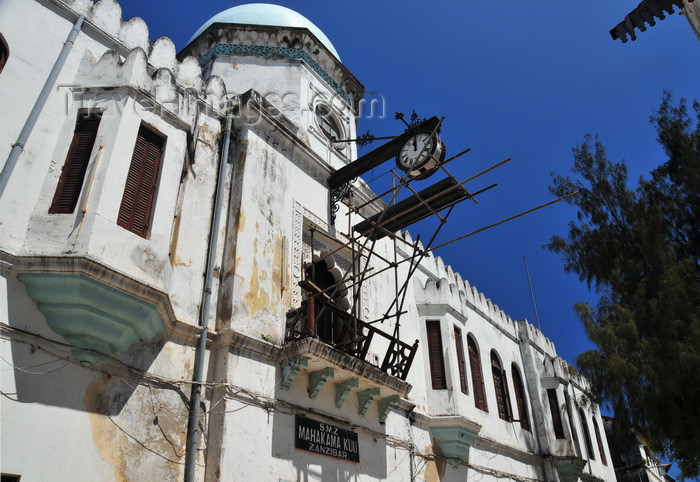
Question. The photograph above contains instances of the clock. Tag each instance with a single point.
(421, 155)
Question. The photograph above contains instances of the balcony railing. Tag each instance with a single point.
(321, 318)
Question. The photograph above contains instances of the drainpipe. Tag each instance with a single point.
(18, 146)
(193, 424)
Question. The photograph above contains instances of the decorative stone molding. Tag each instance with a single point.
(317, 379)
(290, 370)
(342, 390)
(455, 435)
(91, 315)
(268, 52)
(569, 468)
(384, 406)
(345, 365)
(364, 398)
(275, 42)
(79, 266)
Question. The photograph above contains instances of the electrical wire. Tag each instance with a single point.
(242, 395)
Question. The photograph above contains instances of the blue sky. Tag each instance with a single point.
(520, 80)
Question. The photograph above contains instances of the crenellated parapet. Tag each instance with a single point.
(106, 16)
(528, 333)
(152, 68)
(446, 287)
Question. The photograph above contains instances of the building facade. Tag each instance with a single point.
(189, 293)
(632, 457)
(649, 11)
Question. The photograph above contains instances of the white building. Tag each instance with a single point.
(153, 201)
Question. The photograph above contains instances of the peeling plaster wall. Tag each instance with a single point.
(86, 425)
(192, 218)
(256, 303)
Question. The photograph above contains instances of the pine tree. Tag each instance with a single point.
(640, 250)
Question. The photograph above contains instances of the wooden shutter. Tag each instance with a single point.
(586, 434)
(72, 176)
(437, 363)
(603, 458)
(460, 361)
(501, 388)
(139, 190)
(556, 414)
(520, 398)
(477, 376)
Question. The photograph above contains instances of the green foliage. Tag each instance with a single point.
(639, 248)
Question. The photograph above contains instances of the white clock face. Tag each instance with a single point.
(416, 151)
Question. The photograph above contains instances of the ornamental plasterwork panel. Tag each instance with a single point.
(275, 52)
(301, 253)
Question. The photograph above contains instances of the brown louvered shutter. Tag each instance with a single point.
(556, 413)
(601, 448)
(460, 361)
(72, 176)
(501, 388)
(586, 434)
(477, 376)
(437, 363)
(139, 190)
(520, 398)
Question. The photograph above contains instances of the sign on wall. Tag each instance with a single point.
(326, 439)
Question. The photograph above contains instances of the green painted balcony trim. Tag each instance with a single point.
(290, 370)
(317, 379)
(92, 315)
(570, 468)
(384, 406)
(364, 398)
(455, 435)
(454, 442)
(342, 390)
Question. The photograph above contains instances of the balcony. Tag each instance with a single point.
(319, 317)
(326, 341)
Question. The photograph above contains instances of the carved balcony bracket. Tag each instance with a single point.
(317, 379)
(290, 370)
(365, 397)
(455, 435)
(385, 404)
(342, 390)
(569, 468)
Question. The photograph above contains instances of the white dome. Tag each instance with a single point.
(267, 14)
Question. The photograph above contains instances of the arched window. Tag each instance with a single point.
(586, 434)
(520, 399)
(327, 322)
(603, 458)
(477, 376)
(4, 52)
(500, 385)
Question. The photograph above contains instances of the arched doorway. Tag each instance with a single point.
(327, 320)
